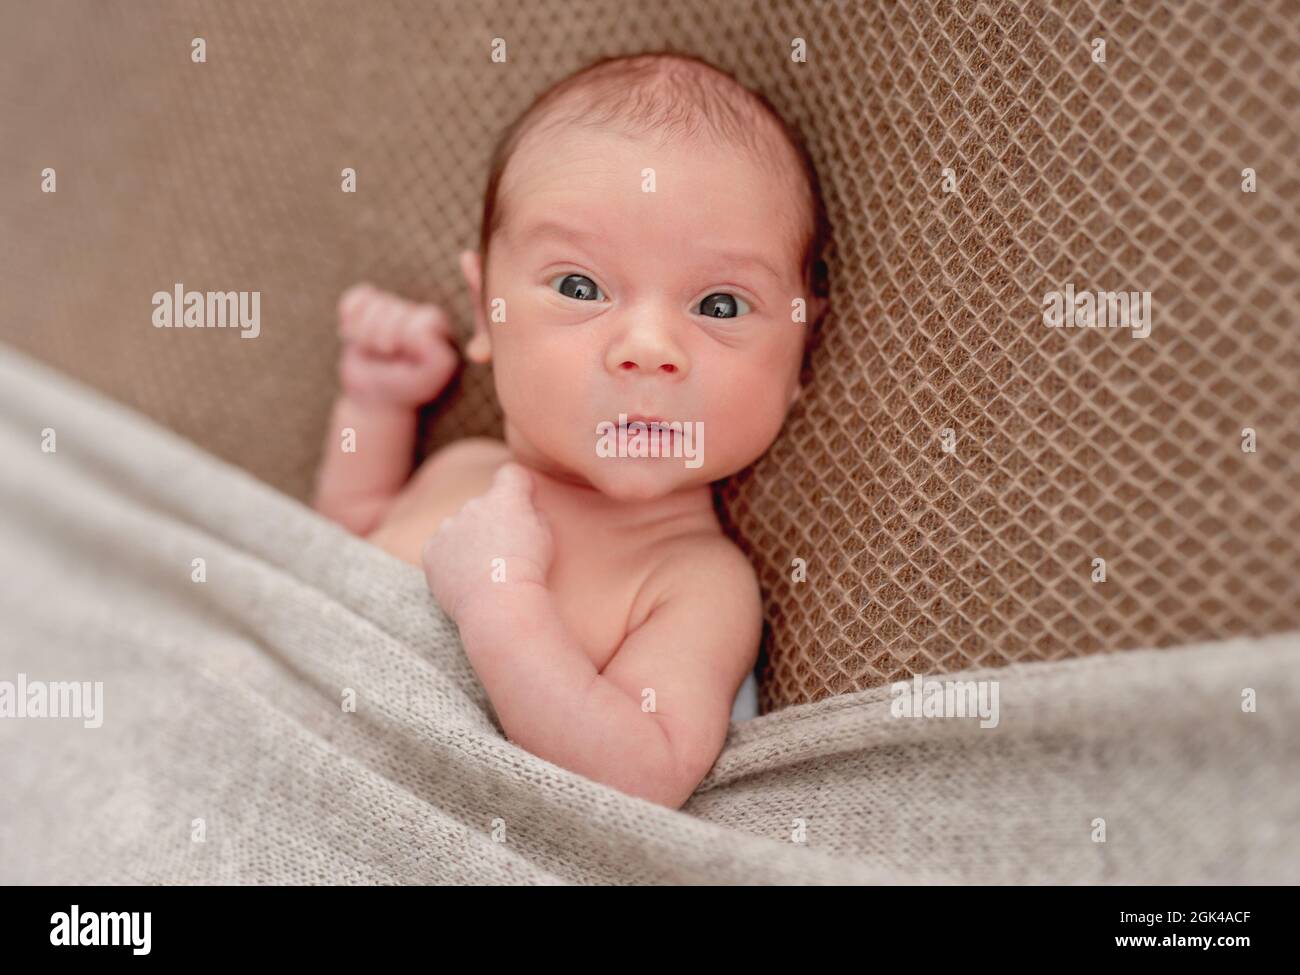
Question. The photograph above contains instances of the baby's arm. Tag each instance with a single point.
(396, 356)
(692, 652)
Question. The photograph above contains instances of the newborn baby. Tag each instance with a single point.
(647, 273)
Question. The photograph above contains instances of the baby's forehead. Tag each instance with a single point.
(570, 157)
(730, 118)
(598, 176)
(575, 147)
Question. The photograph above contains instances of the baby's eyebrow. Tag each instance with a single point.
(717, 259)
(745, 258)
(553, 228)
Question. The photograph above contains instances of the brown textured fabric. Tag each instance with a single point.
(1069, 444)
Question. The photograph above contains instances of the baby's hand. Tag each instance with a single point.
(498, 538)
(395, 352)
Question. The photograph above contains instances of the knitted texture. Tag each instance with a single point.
(228, 752)
(974, 158)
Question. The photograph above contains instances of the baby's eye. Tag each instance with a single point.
(578, 286)
(723, 305)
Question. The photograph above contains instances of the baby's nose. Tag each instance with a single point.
(647, 351)
(668, 366)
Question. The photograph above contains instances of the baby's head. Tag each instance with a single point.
(650, 248)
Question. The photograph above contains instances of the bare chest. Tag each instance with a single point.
(597, 577)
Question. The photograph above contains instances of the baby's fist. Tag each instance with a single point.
(496, 539)
(395, 352)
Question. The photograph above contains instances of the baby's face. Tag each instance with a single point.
(675, 304)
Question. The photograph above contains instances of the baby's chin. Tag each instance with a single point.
(642, 479)
(630, 479)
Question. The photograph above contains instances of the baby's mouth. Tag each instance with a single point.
(640, 435)
(655, 426)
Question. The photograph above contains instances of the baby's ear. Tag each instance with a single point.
(479, 348)
(472, 269)
(817, 308)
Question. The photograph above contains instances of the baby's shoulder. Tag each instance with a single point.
(470, 451)
(472, 458)
(445, 480)
(708, 567)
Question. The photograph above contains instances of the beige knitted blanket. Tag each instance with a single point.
(294, 708)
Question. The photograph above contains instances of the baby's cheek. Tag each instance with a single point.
(541, 389)
(745, 426)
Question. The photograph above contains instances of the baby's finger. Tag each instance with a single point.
(353, 307)
(438, 362)
(353, 297)
(513, 479)
(441, 322)
(420, 328)
(367, 313)
(381, 328)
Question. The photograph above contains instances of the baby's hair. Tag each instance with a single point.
(678, 95)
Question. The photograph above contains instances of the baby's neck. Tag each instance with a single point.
(688, 503)
(560, 490)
